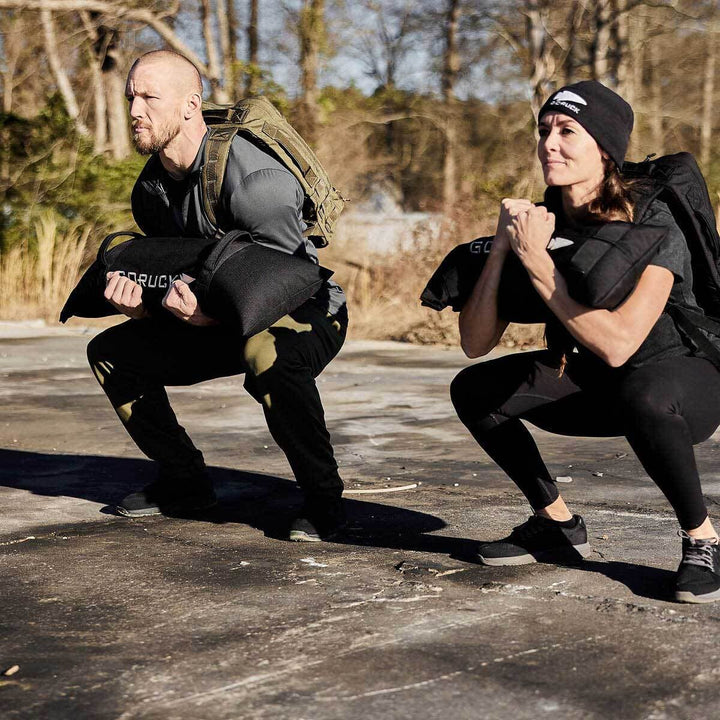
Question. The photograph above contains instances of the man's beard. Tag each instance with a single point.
(151, 142)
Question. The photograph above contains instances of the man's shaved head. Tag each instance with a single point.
(185, 76)
(164, 91)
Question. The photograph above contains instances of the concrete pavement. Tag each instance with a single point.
(217, 617)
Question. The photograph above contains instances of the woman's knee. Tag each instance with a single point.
(460, 390)
(645, 396)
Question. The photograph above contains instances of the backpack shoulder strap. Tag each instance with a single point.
(257, 119)
(217, 150)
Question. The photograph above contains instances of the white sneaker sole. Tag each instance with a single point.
(571, 553)
(302, 536)
(687, 597)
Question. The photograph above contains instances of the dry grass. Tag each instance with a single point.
(383, 290)
(35, 279)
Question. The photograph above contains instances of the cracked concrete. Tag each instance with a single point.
(216, 617)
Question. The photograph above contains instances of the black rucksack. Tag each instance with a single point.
(677, 181)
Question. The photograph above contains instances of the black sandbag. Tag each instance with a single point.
(152, 262)
(455, 277)
(250, 286)
(600, 263)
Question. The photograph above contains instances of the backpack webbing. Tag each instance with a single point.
(677, 181)
(258, 120)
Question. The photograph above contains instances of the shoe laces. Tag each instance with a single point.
(699, 551)
(534, 525)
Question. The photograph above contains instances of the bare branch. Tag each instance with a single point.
(118, 11)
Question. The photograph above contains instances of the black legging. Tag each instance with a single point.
(663, 409)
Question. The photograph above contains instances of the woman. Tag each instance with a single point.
(625, 371)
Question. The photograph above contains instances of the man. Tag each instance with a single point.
(180, 345)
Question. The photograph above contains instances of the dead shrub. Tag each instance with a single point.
(36, 278)
(383, 290)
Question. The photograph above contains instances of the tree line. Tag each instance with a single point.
(432, 101)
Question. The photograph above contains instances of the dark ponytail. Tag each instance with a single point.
(615, 199)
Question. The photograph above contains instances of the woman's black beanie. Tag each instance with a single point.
(602, 112)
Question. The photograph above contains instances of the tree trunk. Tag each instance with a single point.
(636, 35)
(600, 48)
(655, 116)
(706, 125)
(451, 67)
(251, 78)
(621, 55)
(311, 30)
(226, 46)
(217, 91)
(114, 84)
(572, 58)
(536, 13)
(12, 33)
(61, 78)
(95, 54)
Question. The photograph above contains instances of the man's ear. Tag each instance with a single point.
(193, 105)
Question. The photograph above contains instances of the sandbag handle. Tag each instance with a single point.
(206, 272)
(102, 250)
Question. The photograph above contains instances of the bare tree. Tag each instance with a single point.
(451, 67)
(706, 124)
(573, 57)
(539, 50)
(600, 47)
(387, 37)
(58, 70)
(251, 79)
(311, 35)
(227, 44)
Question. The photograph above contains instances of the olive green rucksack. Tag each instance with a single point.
(258, 119)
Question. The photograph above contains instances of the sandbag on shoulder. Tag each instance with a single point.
(454, 279)
(250, 286)
(600, 263)
(152, 262)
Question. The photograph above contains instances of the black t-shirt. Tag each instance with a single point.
(664, 340)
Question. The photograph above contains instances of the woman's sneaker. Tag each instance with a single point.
(698, 577)
(539, 539)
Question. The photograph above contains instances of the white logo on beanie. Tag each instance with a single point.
(567, 96)
(569, 100)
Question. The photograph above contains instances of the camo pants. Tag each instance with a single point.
(136, 360)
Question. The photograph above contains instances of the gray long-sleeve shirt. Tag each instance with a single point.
(259, 195)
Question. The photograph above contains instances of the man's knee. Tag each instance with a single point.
(99, 357)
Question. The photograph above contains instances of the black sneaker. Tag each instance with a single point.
(698, 577)
(161, 498)
(319, 519)
(538, 539)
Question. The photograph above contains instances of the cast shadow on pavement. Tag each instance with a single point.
(267, 502)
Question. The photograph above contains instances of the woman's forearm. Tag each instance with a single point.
(613, 335)
(480, 326)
